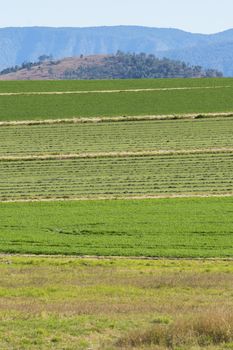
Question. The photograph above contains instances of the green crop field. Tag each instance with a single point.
(116, 137)
(189, 227)
(92, 85)
(201, 96)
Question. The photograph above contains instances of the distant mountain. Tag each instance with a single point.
(219, 56)
(18, 45)
(118, 66)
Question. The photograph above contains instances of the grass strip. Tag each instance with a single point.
(116, 154)
(81, 120)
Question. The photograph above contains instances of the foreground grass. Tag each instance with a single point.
(200, 227)
(40, 107)
(68, 303)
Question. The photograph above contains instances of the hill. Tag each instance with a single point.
(119, 66)
(27, 44)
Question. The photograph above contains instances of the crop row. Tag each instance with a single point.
(154, 175)
(120, 136)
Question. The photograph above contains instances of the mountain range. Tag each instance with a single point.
(26, 44)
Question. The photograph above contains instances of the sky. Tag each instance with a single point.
(197, 16)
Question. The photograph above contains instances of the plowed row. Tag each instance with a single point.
(116, 137)
(130, 176)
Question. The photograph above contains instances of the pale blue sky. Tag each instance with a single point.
(203, 16)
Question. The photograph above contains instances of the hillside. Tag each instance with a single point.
(119, 66)
(27, 44)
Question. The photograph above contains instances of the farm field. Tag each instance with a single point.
(132, 161)
(180, 227)
(68, 303)
(196, 97)
(92, 209)
(26, 140)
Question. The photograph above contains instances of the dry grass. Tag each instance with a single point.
(114, 303)
(118, 197)
(117, 154)
(213, 327)
(80, 92)
(75, 120)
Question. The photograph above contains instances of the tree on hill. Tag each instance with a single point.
(43, 58)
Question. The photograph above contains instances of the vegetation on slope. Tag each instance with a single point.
(138, 66)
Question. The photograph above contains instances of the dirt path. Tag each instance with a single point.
(80, 92)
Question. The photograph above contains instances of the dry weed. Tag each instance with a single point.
(213, 327)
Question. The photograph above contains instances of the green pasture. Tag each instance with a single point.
(157, 228)
(38, 107)
(91, 85)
